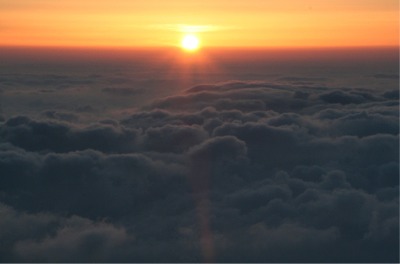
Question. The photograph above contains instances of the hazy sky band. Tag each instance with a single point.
(219, 23)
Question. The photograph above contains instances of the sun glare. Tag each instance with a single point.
(190, 42)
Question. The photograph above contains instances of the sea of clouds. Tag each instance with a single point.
(291, 168)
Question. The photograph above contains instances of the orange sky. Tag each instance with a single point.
(229, 23)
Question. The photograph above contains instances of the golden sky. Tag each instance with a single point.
(223, 23)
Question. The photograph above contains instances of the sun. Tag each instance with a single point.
(190, 42)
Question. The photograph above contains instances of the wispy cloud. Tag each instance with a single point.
(190, 28)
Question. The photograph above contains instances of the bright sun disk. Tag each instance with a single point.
(190, 42)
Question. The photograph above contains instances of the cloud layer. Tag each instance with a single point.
(228, 172)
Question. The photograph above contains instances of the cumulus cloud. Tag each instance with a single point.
(78, 240)
(225, 172)
(48, 237)
(54, 136)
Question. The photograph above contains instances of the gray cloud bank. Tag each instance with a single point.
(229, 172)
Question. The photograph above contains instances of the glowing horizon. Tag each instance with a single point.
(252, 23)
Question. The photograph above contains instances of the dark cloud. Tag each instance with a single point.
(227, 172)
(104, 185)
(121, 91)
(173, 138)
(386, 76)
(392, 94)
(45, 237)
(363, 124)
(340, 97)
(299, 80)
(58, 81)
(54, 136)
(85, 109)
(200, 96)
(217, 163)
(79, 240)
(63, 116)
